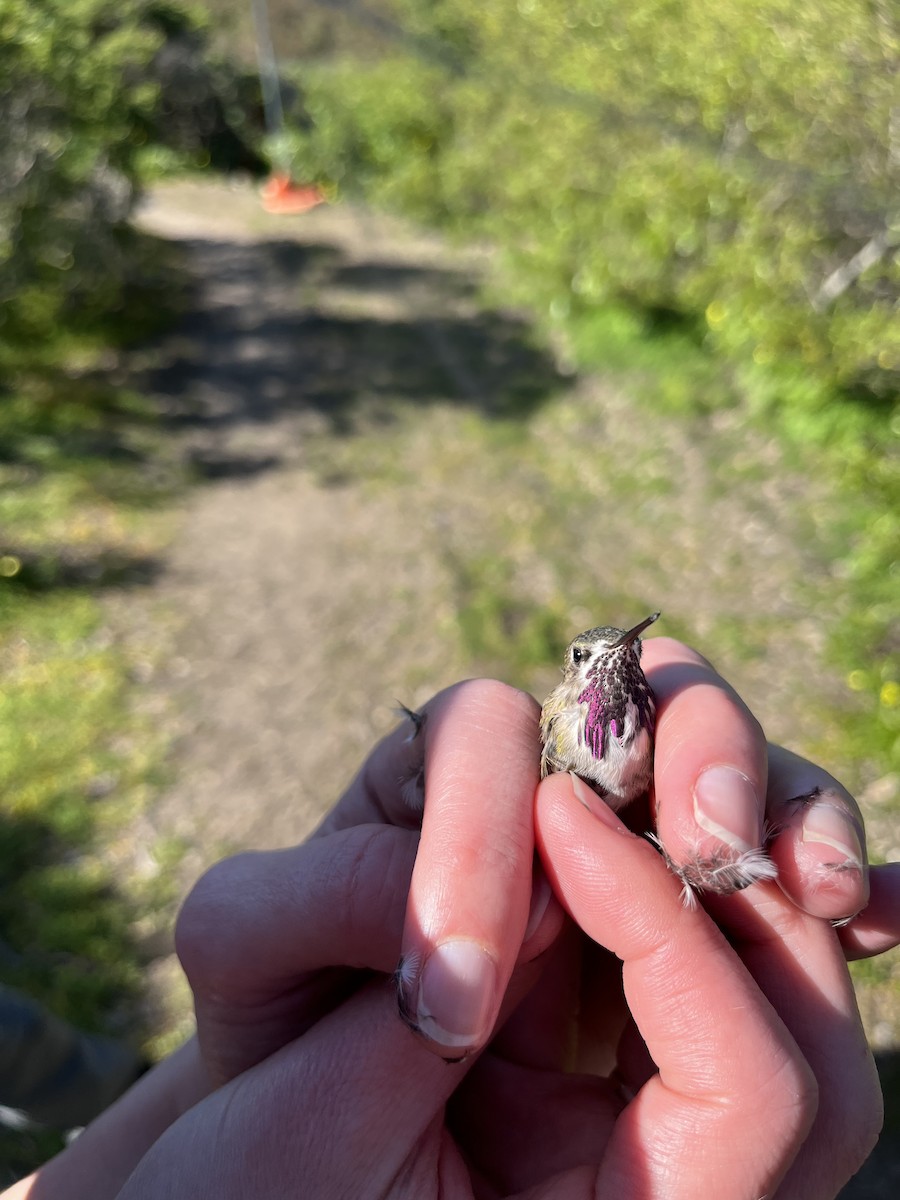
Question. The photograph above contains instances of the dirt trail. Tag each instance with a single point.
(300, 603)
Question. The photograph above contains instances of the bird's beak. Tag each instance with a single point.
(627, 638)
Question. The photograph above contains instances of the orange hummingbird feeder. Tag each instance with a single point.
(280, 193)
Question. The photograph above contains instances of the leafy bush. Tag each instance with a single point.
(80, 464)
(362, 131)
(86, 89)
(736, 162)
(74, 87)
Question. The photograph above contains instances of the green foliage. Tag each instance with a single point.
(61, 911)
(74, 89)
(91, 95)
(79, 466)
(82, 469)
(389, 150)
(89, 92)
(723, 162)
(703, 196)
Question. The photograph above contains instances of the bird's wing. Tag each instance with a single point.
(547, 721)
(551, 729)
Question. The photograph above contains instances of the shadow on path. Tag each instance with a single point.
(281, 328)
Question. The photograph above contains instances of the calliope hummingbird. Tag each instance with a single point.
(599, 721)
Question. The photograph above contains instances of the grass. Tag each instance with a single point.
(68, 784)
(84, 477)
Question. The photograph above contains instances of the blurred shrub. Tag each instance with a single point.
(73, 80)
(86, 90)
(738, 163)
(364, 131)
(209, 109)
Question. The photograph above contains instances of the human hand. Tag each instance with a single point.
(376, 795)
(281, 943)
(357, 1105)
(724, 1097)
(472, 883)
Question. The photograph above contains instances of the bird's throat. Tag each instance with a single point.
(596, 722)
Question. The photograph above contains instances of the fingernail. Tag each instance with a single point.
(595, 804)
(540, 899)
(727, 806)
(830, 826)
(456, 994)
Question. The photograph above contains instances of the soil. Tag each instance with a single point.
(299, 602)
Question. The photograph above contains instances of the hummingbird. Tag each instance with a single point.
(599, 721)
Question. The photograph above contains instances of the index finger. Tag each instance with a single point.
(471, 890)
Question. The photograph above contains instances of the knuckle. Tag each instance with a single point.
(377, 879)
(208, 909)
(495, 696)
(792, 1098)
(742, 715)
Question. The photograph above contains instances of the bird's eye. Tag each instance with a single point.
(578, 655)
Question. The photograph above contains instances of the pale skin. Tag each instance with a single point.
(762, 1084)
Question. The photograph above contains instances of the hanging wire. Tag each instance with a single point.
(268, 69)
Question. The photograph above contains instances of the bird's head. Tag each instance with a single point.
(602, 648)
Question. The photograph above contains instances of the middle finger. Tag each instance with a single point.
(709, 774)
